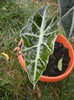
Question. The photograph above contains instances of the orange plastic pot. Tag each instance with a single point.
(43, 78)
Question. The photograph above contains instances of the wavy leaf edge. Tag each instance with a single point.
(39, 44)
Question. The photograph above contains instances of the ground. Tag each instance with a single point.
(14, 83)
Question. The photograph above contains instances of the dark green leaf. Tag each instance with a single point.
(67, 17)
(38, 43)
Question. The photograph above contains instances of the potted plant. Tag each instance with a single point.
(38, 40)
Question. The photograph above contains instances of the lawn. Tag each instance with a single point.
(14, 83)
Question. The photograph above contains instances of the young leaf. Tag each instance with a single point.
(60, 66)
(67, 17)
(38, 43)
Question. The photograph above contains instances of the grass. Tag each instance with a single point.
(14, 83)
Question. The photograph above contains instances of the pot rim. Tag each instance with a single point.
(54, 78)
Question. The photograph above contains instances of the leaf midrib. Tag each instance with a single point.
(39, 44)
(38, 51)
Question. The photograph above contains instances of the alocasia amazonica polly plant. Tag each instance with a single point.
(39, 37)
(38, 43)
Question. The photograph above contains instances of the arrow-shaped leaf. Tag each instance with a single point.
(67, 17)
(38, 43)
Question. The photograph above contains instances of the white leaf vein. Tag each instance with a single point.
(28, 34)
(42, 61)
(35, 46)
(35, 24)
(46, 46)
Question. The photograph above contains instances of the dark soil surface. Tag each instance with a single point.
(59, 52)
